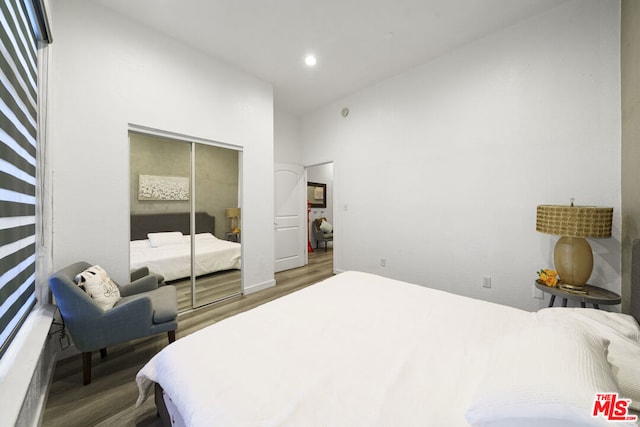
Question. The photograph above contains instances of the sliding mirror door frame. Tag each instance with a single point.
(215, 178)
(200, 145)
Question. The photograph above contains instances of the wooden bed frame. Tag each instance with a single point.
(161, 406)
(142, 224)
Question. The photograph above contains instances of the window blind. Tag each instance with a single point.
(18, 145)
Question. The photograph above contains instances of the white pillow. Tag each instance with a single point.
(205, 236)
(325, 227)
(624, 357)
(547, 374)
(140, 244)
(165, 239)
(99, 286)
(597, 321)
(623, 334)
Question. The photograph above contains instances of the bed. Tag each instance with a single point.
(162, 242)
(363, 350)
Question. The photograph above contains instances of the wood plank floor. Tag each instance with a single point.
(110, 398)
(209, 288)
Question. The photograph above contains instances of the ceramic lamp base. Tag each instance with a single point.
(573, 259)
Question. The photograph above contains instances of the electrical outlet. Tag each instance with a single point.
(383, 262)
(486, 282)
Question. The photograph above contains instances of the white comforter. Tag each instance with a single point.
(354, 350)
(173, 261)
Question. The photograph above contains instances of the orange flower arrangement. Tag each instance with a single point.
(548, 277)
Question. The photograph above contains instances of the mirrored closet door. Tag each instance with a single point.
(185, 216)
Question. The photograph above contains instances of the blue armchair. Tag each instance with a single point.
(145, 309)
(319, 235)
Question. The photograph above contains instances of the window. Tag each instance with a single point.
(23, 26)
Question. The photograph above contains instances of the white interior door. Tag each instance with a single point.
(290, 217)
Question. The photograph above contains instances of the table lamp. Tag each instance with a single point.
(233, 214)
(572, 256)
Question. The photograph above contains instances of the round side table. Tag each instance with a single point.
(588, 295)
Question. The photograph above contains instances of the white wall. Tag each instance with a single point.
(440, 169)
(107, 73)
(630, 64)
(286, 129)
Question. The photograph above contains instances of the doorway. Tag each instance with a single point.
(320, 190)
(186, 214)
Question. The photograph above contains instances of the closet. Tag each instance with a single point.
(185, 213)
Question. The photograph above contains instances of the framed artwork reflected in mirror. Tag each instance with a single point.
(317, 194)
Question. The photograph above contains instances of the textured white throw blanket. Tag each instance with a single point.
(362, 350)
(355, 350)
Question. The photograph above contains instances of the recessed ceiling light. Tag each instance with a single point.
(310, 60)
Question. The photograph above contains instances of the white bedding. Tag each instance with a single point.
(172, 258)
(354, 350)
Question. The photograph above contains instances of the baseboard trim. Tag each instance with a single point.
(259, 287)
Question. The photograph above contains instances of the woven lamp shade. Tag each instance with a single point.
(574, 221)
(572, 255)
(233, 212)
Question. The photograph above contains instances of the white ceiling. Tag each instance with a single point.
(357, 42)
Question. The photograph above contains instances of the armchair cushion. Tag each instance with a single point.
(140, 272)
(163, 303)
(97, 283)
(143, 284)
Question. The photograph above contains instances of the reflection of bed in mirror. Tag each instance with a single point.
(162, 242)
